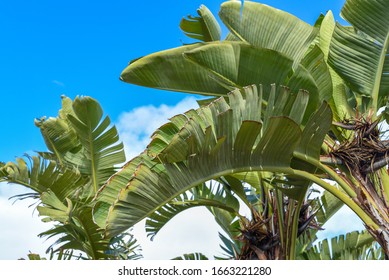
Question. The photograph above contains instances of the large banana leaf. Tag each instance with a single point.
(339, 105)
(218, 67)
(267, 27)
(223, 138)
(244, 65)
(238, 64)
(360, 54)
(274, 44)
(213, 68)
(209, 69)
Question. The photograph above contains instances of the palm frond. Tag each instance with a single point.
(267, 27)
(352, 246)
(41, 175)
(82, 138)
(223, 138)
(360, 54)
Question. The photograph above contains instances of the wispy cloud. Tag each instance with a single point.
(58, 83)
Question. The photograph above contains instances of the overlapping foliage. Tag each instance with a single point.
(84, 150)
(343, 66)
(287, 99)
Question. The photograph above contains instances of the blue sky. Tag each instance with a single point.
(49, 48)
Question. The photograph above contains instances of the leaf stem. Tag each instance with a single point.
(340, 195)
(293, 239)
(329, 171)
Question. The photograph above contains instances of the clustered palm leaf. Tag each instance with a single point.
(291, 107)
(259, 134)
(84, 150)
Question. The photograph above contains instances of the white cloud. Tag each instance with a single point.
(135, 127)
(194, 230)
(19, 226)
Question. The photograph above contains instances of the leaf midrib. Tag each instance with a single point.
(378, 76)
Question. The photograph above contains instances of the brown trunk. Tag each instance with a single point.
(364, 155)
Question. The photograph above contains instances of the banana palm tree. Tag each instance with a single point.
(329, 131)
(84, 150)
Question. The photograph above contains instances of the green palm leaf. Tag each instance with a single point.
(360, 54)
(210, 69)
(124, 247)
(169, 70)
(237, 64)
(223, 138)
(41, 175)
(352, 246)
(339, 105)
(80, 137)
(101, 149)
(266, 27)
(78, 233)
(54, 209)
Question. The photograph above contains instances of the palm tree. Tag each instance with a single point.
(84, 150)
(283, 136)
